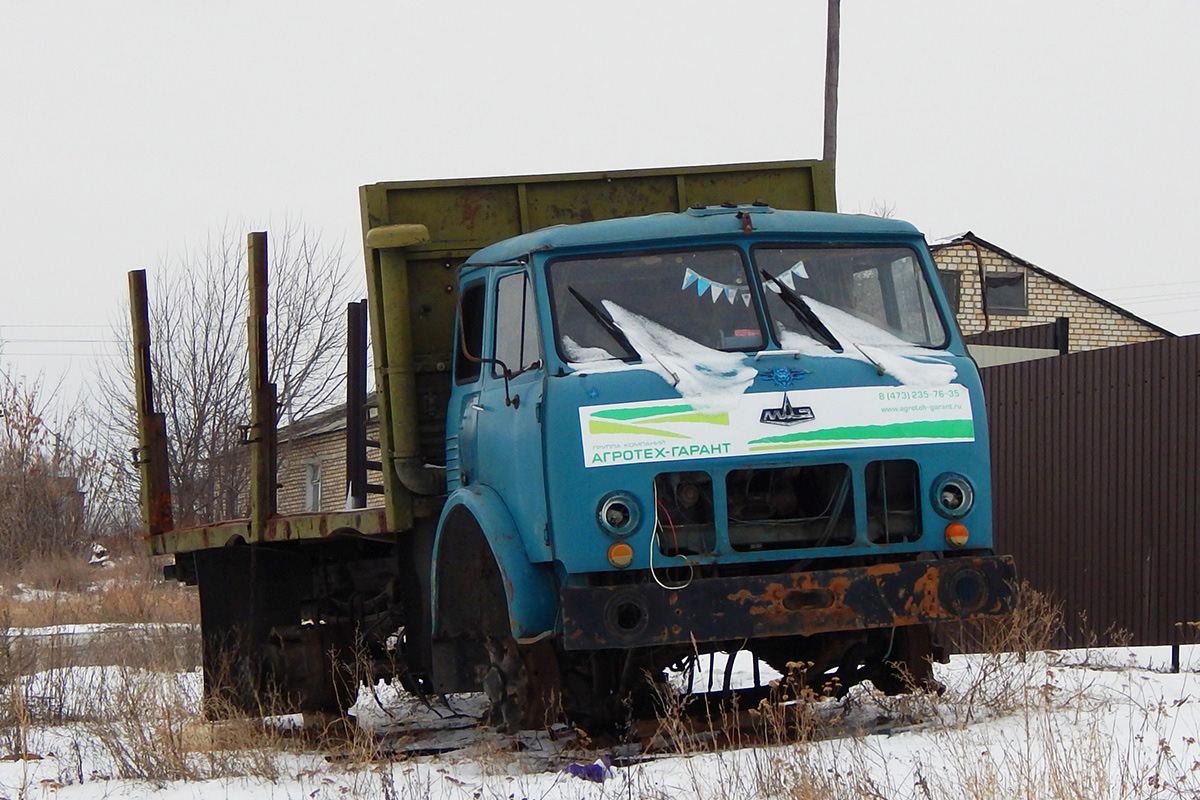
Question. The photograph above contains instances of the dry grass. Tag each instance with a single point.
(65, 590)
(1007, 672)
(127, 697)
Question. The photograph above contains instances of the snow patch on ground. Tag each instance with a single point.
(83, 631)
(1110, 723)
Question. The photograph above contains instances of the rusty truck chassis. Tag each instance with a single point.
(804, 603)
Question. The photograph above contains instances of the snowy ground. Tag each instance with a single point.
(1095, 724)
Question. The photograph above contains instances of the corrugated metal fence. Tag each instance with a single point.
(1095, 482)
(1049, 336)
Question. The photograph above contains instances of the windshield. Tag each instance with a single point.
(699, 294)
(882, 286)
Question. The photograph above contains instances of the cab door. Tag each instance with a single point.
(509, 441)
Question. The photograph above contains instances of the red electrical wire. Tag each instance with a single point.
(670, 522)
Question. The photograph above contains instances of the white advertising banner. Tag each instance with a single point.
(774, 422)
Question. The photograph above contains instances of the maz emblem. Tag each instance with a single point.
(787, 414)
(782, 376)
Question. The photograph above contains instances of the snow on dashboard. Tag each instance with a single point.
(863, 341)
(696, 370)
(579, 354)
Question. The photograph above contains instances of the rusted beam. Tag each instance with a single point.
(262, 434)
(758, 606)
(368, 522)
(151, 454)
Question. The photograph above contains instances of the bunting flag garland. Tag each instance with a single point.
(733, 292)
(714, 289)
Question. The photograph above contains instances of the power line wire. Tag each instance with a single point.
(28, 341)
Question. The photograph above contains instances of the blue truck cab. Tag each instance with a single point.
(728, 425)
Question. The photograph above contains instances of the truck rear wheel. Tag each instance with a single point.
(309, 668)
(245, 592)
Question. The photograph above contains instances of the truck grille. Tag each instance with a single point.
(787, 507)
(685, 513)
(893, 508)
(775, 509)
(768, 509)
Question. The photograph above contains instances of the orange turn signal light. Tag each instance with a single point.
(956, 534)
(620, 555)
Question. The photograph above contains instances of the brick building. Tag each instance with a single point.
(1022, 295)
(312, 462)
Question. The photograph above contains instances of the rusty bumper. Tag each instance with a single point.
(752, 607)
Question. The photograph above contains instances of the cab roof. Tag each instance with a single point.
(707, 221)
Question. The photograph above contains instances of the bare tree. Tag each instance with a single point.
(882, 209)
(42, 475)
(199, 358)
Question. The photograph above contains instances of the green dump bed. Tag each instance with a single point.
(471, 213)
(412, 282)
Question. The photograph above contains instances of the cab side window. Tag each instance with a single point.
(516, 335)
(470, 334)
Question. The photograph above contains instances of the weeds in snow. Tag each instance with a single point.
(1015, 720)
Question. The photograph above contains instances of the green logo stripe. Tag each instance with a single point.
(926, 429)
(761, 448)
(718, 418)
(640, 412)
(604, 426)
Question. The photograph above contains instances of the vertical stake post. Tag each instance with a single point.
(151, 455)
(263, 411)
(356, 404)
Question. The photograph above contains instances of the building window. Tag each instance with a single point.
(312, 487)
(949, 278)
(1006, 293)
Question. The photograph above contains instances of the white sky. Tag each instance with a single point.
(1065, 133)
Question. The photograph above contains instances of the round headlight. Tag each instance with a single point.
(953, 495)
(618, 514)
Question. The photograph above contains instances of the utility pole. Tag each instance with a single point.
(832, 45)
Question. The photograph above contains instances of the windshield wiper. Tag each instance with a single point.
(803, 311)
(607, 322)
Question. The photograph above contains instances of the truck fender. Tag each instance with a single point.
(476, 517)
